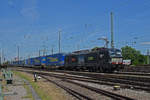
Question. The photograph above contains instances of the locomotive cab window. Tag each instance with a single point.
(115, 53)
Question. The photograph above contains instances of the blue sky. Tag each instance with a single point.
(34, 24)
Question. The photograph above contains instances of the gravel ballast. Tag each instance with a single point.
(136, 94)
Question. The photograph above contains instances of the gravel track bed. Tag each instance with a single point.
(18, 88)
(91, 94)
(138, 95)
(55, 92)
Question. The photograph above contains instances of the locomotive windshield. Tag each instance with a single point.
(115, 53)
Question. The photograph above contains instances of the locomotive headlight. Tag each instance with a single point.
(101, 55)
(113, 59)
(119, 53)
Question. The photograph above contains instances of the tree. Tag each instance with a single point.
(133, 54)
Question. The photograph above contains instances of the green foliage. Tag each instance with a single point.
(7, 62)
(133, 54)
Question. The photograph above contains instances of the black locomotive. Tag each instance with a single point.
(99, 60)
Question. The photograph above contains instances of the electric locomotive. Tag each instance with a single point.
(99, 60)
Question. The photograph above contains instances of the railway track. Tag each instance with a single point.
(115, 73)
(134, 73)
(128, 77)
(140, 69)
(76, 94)
(121, 74)
(134, 84)
(107, 81)
(68, 78)
(70, 91)
(99, 91)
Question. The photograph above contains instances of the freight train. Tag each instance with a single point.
(98, 60)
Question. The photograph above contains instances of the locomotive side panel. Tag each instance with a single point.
(71, 61)
(91, 59)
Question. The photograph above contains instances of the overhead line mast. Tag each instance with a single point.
(59, 41)
(112, 34)
(1, 56)
(18, 56)
(148, 60)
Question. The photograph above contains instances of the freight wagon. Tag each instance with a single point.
(55, 60)
(37, 61)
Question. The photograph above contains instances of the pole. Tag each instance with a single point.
(18, 53)
(39, 53)
(148, 56)
(107, 43)
(44, 50)
(78, 47)
(52, 50)
(112, 37)
(59, 41)
(1, 56)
